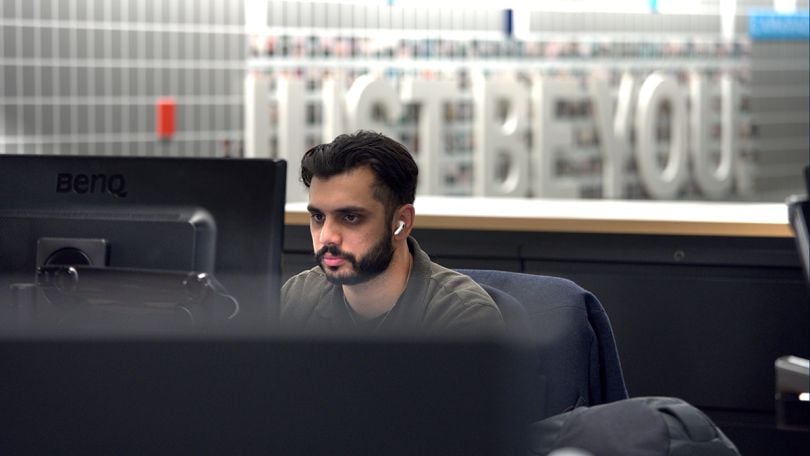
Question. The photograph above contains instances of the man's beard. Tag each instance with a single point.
(370, 265)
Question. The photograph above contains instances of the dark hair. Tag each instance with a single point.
(393, 166)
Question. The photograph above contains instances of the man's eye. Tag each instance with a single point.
(317, 218)
(351, 218)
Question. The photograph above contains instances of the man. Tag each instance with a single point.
(371, 276)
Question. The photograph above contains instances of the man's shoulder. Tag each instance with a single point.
(458, 302)
(302, 292)
(304, 278)
(453, 282)
(458, 289)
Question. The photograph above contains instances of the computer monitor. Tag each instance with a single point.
(146, 221)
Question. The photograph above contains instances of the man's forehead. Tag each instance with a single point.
(350, 190)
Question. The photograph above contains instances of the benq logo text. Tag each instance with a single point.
(92, 183)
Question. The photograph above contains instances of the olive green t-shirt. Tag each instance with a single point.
(436, 300)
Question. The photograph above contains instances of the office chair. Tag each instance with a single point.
(576, 361)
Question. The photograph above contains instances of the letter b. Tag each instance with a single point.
(63, 181)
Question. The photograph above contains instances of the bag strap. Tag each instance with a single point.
(695, 423)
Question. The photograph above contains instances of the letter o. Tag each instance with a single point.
(665, 184)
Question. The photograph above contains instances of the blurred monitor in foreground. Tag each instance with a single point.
(115, 242)
(260, 396)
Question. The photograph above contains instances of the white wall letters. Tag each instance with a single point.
(655, 91)
(713, 181)
(501, 111)
(431, 95)
(498, 142)
(364, 96)
(551, 136)
(290, 140)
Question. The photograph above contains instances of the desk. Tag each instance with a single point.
(592, 216)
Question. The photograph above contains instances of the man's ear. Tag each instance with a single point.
(406, 215)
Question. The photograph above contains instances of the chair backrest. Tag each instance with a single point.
(576, 361)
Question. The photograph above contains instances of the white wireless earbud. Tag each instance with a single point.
(399, 228)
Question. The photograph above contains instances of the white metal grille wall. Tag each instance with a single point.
(83, 76)
(779, 110)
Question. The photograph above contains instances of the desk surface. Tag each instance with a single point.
(592, 216)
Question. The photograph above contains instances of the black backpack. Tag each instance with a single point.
(643, 426)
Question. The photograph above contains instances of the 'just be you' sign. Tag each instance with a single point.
(655, 126)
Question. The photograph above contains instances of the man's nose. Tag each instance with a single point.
(330, 233)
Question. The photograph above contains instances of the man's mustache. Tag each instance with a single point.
(334, 251)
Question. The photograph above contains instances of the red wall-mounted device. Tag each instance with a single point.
(165, 111)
